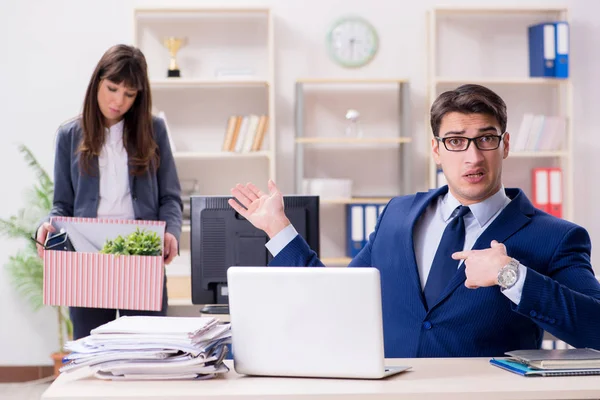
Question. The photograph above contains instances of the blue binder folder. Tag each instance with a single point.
(360, 222)
(549, 50)
(562, 49)
(355, 229)
(542, 50)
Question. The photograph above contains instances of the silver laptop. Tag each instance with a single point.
(307, 322)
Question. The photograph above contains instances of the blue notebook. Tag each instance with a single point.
(524, 370)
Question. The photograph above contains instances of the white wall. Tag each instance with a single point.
(51, 47)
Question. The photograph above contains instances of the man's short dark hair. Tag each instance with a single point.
(468, 99)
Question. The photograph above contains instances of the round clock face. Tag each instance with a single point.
(352, 42)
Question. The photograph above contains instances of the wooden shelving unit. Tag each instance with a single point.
(509, 27)
(395, 134)
(227, 68)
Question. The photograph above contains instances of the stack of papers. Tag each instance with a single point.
(152, 348)
(551, 362)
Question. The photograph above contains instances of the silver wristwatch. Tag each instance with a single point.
(509, 274)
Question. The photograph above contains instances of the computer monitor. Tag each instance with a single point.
(221, 238)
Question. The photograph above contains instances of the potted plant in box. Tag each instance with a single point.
(138, 243)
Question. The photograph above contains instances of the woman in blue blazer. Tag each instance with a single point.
(114, 161)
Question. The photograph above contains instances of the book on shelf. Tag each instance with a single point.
(245, 133)
(259, 135)
(548, 45)
(360, 223)
(547, 189)
(231, 133)
(540, 133)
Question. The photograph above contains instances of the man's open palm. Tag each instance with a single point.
(264, 210)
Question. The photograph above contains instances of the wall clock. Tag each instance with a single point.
(352, 42)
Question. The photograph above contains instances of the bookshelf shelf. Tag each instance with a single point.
(338, 140)
(448, 10)
(401, 93)
(357, 200)
(194, 13)
(179, 83)
(219, 155)
(323, 151)
(174, 302)
(227, 71)
(350, 81)
(539, 154)
(179, 288)
(540, 110)
(338, 261)
(499, 81)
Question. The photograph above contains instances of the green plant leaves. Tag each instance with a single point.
(44, 180)
(25, 267)
(138, 243)
(27, 276)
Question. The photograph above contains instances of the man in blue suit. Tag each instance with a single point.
(468, 270)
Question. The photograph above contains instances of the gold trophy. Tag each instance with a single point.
(174, 44)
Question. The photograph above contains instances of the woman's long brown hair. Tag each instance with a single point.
(127, 64)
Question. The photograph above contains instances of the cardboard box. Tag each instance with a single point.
(86, 278)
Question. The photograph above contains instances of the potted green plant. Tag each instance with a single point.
(25, 268)
(138, 243)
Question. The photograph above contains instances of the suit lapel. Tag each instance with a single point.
(511, 219)
(420, 203)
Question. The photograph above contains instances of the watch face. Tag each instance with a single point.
(508, 277)
(352, 42)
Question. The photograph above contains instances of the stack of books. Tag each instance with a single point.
(562, 362)
(152, 348)
(245, 133)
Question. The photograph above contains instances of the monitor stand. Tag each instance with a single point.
(215, 309)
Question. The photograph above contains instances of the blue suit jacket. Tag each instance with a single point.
(560, 293)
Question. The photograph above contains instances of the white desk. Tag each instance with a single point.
(448, 378)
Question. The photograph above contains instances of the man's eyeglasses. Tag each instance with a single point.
(461, 143)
